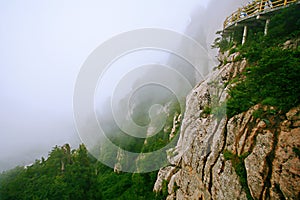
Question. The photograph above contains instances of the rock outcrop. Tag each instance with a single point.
(244, 157)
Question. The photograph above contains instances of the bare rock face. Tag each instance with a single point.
(164, 174)
(241, 132)
(256, 164)
(120, 157)
(239, 158)
(291, 44)
(202, 141)
(286, 165)
(226, 182)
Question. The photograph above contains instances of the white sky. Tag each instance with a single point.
(43, 45)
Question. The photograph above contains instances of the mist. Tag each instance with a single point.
(44, 44)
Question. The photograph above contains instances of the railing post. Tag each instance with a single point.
(285, 2)
(260, 6)
(244, 35)
(232, 36)
(266, 27)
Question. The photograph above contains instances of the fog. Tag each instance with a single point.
(45, 43)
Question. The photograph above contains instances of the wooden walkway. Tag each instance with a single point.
(257, 9)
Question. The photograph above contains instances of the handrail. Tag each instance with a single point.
(254, 8)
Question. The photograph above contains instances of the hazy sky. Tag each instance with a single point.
(43, 45)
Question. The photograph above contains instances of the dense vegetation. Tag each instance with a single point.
(273, 75)
(74, 175)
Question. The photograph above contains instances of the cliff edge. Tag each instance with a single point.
(252, 155)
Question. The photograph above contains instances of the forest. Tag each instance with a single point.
(74, 174)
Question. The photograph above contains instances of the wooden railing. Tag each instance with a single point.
(254, 8)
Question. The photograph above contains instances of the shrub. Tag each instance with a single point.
(206, 110)
(273, 78)
(285, 24)
(273, 81)
(219, 111)
(228, 155)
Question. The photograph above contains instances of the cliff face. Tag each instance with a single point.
(244, 157)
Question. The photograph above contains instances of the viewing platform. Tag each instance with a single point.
(256, 12)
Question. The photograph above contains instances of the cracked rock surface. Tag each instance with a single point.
(263, 161)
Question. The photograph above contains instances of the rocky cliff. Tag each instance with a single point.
(253, 155)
